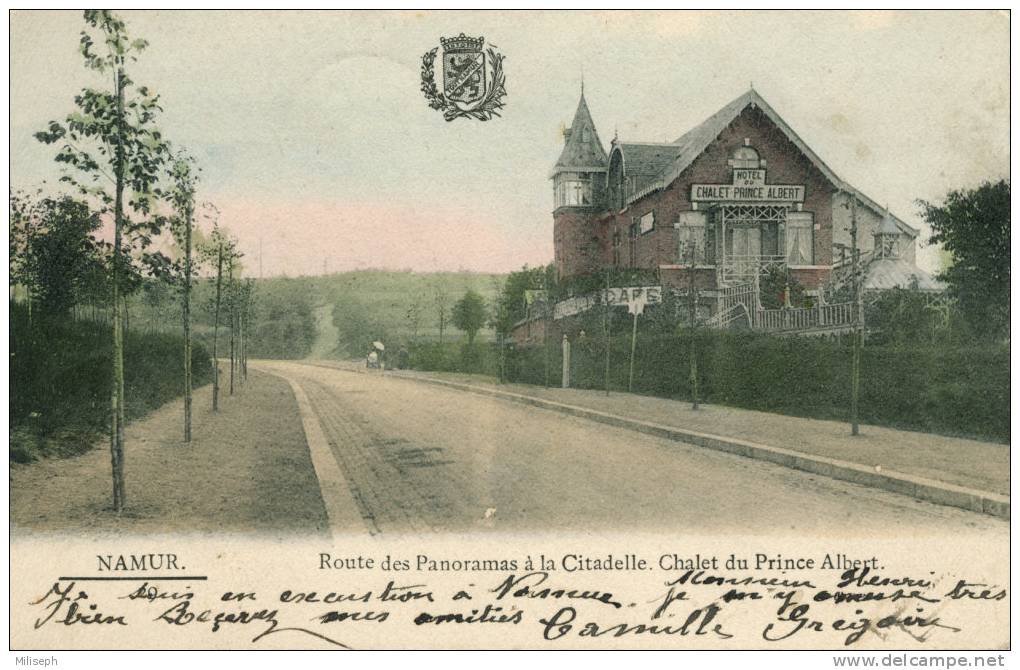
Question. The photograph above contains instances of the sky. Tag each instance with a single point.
(317, 144)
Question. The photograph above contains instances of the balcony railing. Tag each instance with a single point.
(840, 316)
(744, 268)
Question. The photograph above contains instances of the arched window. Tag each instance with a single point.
(746, 158)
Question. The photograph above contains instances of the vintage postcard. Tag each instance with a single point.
(543, 330)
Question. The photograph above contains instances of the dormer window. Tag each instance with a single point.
(888, 245)
(887, 238)
(584, 134)
(746, 158)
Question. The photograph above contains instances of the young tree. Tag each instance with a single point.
(112, 137)
(973, 226)
(414, 314)
(184, 179)
(233, 300)
(469, 314)
(220, 252)
(250, 312)
(441, 299)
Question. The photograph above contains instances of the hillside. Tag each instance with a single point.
(394, 307)
(336, 315)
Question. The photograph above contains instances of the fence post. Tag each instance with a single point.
(566, 362)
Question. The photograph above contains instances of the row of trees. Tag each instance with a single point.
(123, 172)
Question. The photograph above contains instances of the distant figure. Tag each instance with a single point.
(403, 358)
(373, 360)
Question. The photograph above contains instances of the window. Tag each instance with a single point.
(800, 238)
(691, 236)
(646, 223)
(888, 245)
(573, 191)
(746, 158)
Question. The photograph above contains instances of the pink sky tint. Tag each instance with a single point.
(297, 236)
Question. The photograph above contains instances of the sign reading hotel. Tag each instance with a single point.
(748, 186)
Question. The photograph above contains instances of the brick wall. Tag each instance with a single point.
(579, 247)
(784, 165)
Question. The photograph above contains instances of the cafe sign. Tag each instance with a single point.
(634, 298)
(748, 186)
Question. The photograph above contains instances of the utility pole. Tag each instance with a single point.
(858, 336)
(633, 349)
(692, 315)
(605, 327)
(545, 326)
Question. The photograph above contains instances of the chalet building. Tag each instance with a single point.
(733, 196)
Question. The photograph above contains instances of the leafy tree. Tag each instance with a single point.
(112, 138)
(469, 314)
(24, 221)
(62, 253)
(973, 226)
(512, 303)
(908, 317)
(357, 326)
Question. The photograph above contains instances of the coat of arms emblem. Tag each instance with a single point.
(473, 80)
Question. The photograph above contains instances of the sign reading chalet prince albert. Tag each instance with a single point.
(748, 186)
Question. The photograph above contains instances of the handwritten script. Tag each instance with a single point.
(857, 607)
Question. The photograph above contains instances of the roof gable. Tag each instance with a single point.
(694, 142)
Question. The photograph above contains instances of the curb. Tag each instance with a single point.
(928, 490)
(337, 498)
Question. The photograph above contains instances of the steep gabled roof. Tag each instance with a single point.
(694, 142)
(579, 154)
(647, 159)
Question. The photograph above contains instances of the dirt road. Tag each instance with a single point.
(417, 458)
(247, 470)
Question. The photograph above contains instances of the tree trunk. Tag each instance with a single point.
(187, 324)
(233, 323)
(240, 346)
(216, 331)
(117, 391)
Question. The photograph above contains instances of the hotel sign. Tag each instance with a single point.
(748, 186)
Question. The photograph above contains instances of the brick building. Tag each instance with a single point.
(737, 194)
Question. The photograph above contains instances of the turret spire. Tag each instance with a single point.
(582, 150)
